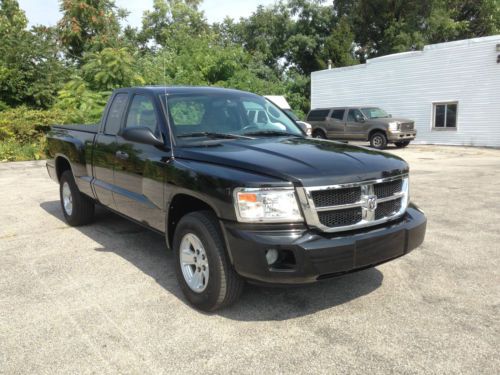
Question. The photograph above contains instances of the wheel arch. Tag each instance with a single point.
(182, 204)
(319, 129)
(377, 130)
(62, 165)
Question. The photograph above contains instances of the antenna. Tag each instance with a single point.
(165, 104)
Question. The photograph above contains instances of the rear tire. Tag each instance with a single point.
(402, 144)
(202, 266)
(378, 140)
(78, 209)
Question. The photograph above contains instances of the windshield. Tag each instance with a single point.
(226, 115)
(292, 115)
(374, 112)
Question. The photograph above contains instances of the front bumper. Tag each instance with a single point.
(400, 135)
(320, 255)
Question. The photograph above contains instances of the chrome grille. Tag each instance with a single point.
(350, 206)
(339, 218)
(407, 126)
(325, 198)
(386, 189)
(386, 209)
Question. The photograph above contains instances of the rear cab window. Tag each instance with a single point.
(115, 114)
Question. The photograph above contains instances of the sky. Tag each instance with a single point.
(46, 12)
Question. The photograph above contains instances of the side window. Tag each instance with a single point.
(353, 115)
(115, 113)
(338, 114)
(318, 115)
(142, 113)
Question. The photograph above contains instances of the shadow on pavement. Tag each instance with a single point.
(146, 250)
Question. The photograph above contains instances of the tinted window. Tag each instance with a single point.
(115, 113)
(353, 113)
(141, 113)
(451, 115)
(338, 114)
(445, 115)
(440, 112)
(318, 114)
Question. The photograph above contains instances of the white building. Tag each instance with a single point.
(426, 86)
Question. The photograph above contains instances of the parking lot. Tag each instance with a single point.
(104, 299)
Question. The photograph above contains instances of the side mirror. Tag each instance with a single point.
(360, 118)
(141, 134)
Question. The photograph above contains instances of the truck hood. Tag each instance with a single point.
(303, 161)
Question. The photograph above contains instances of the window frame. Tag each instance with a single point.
(445, 103)
(354, 109)
(344, 111)
(108, 112)
(157, 132)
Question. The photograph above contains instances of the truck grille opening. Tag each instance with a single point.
(325, 198)
(351, 206)
(386, 189)
(387, 209)
(340, 218)
(407, 126)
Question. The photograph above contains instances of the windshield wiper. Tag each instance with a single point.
(214, 135)
(272, 133)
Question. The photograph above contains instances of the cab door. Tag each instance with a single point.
(140, 168)
(336, 124)
(104, 150)
(355, 125)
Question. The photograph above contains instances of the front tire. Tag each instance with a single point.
(78, 209)
(378, 140)
(202, 267)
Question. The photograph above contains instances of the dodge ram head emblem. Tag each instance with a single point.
(371, 202)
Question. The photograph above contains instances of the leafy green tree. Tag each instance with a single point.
(109, 69)
(88, 25)
(31, 71)
(170, 22)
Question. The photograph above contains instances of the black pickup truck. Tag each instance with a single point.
(236, 199)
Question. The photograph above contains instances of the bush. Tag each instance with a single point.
(12, 150)
(27, 126)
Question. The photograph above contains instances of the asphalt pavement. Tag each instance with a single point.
(103, 299)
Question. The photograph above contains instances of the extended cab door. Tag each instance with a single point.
(355, 125)
(104, 150)
(140, 168)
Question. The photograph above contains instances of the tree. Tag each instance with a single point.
(88, 25)
(171, 22)
(31, 71)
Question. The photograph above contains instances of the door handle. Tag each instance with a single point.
(121, 155)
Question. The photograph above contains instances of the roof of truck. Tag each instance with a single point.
(183, 90)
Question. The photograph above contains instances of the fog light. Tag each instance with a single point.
(271, 256)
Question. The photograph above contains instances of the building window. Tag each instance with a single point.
(445, 115)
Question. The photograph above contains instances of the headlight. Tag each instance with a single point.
(266, 205)
(394, 126)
